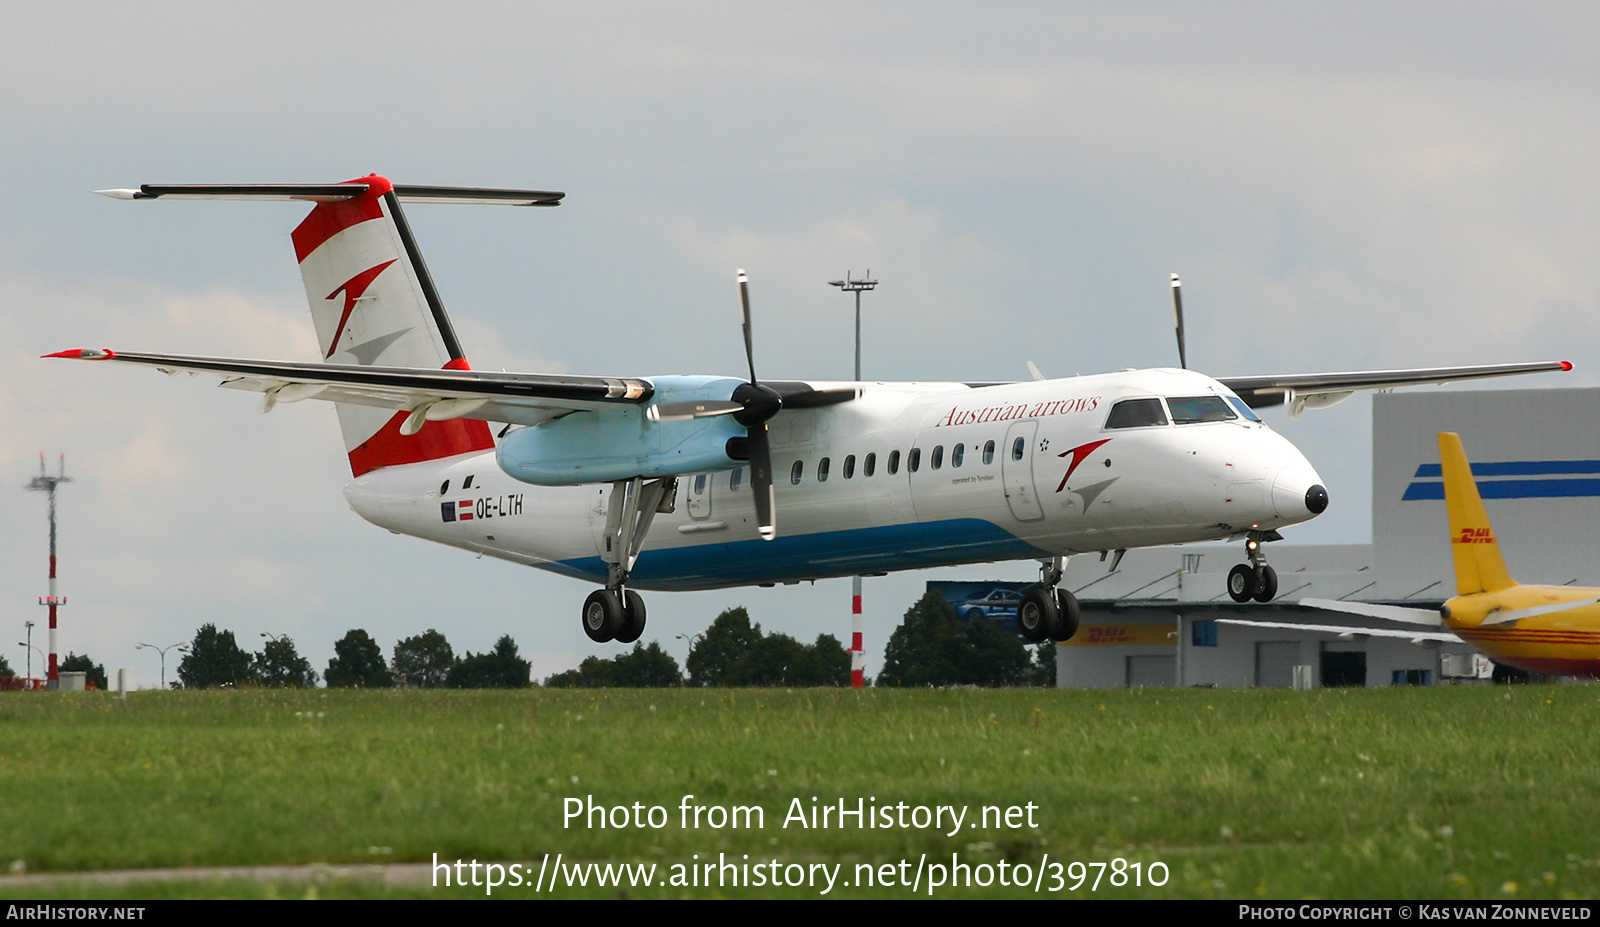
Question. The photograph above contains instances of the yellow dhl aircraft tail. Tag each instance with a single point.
(1479, 566)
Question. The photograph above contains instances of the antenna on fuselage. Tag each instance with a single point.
(1177, 316)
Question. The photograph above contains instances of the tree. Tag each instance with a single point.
(932, 647)
(733, 652)
(80, 663)
(1042, 671)
(424, 661)
(280, 665)
(5, 668)
(640, 668)
(728, 640)
(214, 659)
(501, 668)
(358, 663)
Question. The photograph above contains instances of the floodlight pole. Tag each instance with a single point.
(182, 646)
(857, 651)
(47, 485)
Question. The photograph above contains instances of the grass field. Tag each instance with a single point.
(1436, 793)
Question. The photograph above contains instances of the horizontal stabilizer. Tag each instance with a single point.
(1517, 614)
(334, 193)
(1426, 616)
(1415, 637)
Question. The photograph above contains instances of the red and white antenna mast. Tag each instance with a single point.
(47, 484)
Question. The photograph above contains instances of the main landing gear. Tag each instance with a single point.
(616, 613)
(1256, 579)
(1046, 611)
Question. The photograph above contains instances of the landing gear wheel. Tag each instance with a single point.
(1266, 584)
(1242, 583)
(632, 617)
(602, 615)
(1037, 614)
(1067, 610)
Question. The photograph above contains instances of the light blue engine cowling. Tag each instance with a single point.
(618, 443)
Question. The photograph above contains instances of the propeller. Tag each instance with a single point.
(752, 405)
(1177, 315)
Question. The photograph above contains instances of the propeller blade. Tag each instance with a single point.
(683, 411)
(761, 481)
(1177, 315)
(744, 319)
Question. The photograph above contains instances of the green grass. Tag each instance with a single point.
(1399, 793)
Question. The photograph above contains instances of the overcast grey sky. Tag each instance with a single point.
(1342, 187)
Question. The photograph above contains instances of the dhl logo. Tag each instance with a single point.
(1103, 634)
(1476, 536)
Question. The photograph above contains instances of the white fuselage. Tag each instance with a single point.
(908, 476)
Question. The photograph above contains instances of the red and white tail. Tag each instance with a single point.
(371, 298)
(374, 304)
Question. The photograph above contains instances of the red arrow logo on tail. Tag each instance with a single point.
(353, 290)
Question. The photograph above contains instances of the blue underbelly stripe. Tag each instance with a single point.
(814, 556)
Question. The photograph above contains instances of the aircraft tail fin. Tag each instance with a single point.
(372, 299)
(374, 303)
(1479, 565)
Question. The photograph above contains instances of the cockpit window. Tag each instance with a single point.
(1244, 408)
(1187, 410)
(1136, 413)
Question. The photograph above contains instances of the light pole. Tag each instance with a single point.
(29, 652)
(182, 648)
(848, 285)
(857, 653)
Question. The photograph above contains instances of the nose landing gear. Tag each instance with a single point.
(1047, 612)
(1256, 579)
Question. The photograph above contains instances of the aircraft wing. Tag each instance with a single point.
(1319, 390)
(519, 398)
(1413, 636)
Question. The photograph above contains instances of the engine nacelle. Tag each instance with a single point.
(619, 443)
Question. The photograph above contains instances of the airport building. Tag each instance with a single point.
(1161, 618)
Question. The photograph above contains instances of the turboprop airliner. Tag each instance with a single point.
(1553, 630)
(676, 482)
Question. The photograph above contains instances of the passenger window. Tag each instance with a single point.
(988, 452)
(444, 487)
(850, 466)
(1188, 410)
(822, 470)
(735, 478)
(914, 459)
(466, 483)
(1136, 413)
(700, 484)
(870, 465)
(894, 462)
(1017, 447)
(797, 471)
(937, 460)
(955, 454)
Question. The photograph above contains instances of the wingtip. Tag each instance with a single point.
(84, 354)
(118, 194)
(1566, 365)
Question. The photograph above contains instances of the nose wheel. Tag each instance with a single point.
(1256, 579)
(1046, 611)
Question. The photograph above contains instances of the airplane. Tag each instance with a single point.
(1554, 630)
(674, 482)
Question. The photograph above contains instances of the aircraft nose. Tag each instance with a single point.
(1298, 492)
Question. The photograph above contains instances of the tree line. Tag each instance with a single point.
(931, 647)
